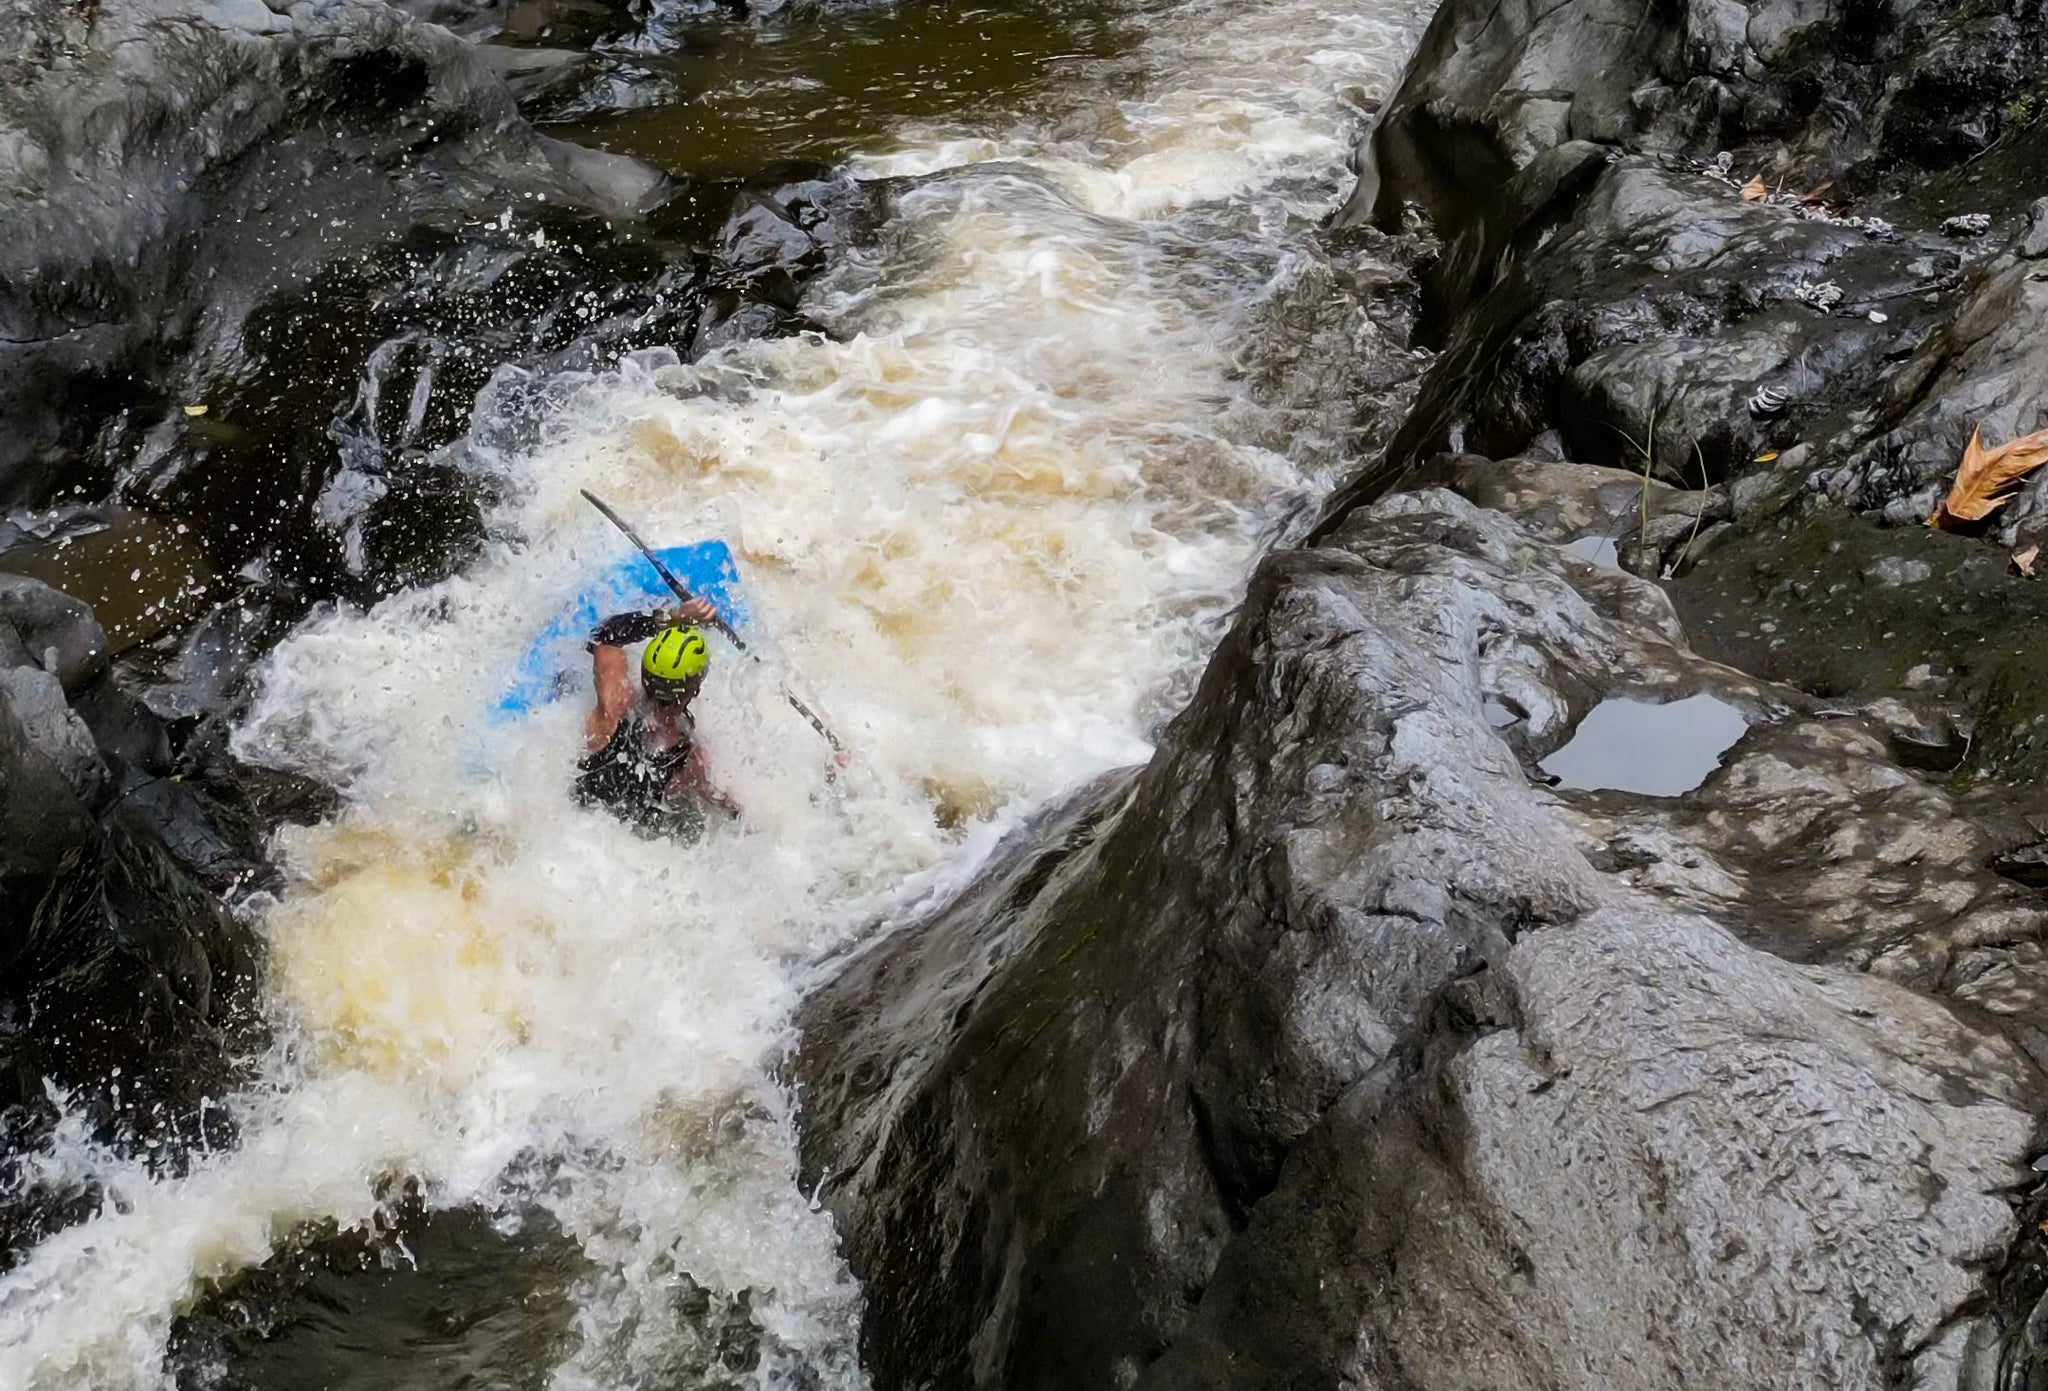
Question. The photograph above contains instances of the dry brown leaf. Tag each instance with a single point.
(1755, 191)
(2023, 561)
(1987, 477)
(1813, 195)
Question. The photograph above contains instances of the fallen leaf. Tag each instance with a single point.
(1985, 480)
(1812, 195)
(196, 410)
(1755, 190)
(1767, 456)
(2023, 561)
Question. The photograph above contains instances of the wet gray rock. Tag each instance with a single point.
(398, 1291)
(836, 213)
(2033, 242)
(533, 72)
(1986, 369)
(1633, 308)
(1812, 91)
(50, 773)
(1815, 843)
(167, 165)
(13, 653)
(124, 980)
(1332, 1049)
(211, 658)
(770, 244)
(1874, 325)
(763, 253)
(1557, 501)
(2024, 521)
(123, 728)
(735, 320)
(1894, 570)
(1594, 282)
(1653, 529)
(470, 18)
(56, 632)
(619, 184)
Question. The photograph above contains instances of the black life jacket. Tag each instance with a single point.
(632, 780)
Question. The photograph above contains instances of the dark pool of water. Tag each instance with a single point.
(142, 574)
(443, 1300)
(750, 96)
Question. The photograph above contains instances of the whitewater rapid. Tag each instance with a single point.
(989, 527)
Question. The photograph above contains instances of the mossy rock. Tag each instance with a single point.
(1844, 607)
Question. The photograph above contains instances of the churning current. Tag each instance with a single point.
(989, 527)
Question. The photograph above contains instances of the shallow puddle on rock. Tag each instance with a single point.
(1595, 550)
(1627, 745)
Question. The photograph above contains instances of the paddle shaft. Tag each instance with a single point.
(668, 578)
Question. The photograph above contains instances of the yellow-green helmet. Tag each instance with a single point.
(673, 661)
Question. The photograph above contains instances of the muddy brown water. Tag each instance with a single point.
(753, 97)
(141, 573)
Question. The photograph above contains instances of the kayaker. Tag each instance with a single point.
(641, 755)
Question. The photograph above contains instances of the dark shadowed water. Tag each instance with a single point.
(751, 97)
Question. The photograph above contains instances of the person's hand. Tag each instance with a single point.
(696, 613)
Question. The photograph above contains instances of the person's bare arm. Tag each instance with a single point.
(694, 777)
(614, 696)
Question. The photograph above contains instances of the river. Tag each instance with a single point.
(989, 524)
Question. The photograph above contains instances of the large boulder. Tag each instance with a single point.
(1602, 273)
(1333, 1049)
(50, 773)
(56, 632)
(128, 986)
(125, 982)
(1731, 248)
(168, 165)
(1632, 309)
(1856, 94)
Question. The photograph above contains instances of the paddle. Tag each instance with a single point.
(668, 578)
